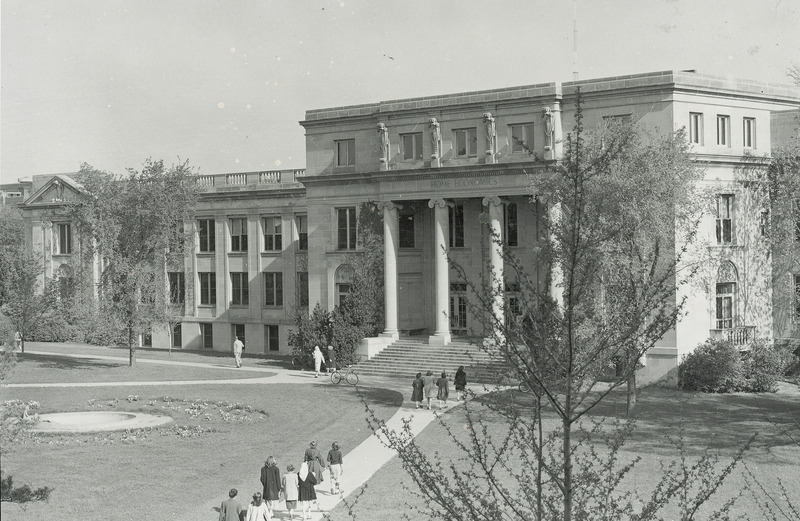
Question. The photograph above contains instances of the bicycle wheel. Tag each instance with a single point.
(352, 378)
(296, 362)
(524, 387)
(336, 377)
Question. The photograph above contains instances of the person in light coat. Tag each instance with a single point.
(318, 358)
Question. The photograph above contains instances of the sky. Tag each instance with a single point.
(223, 84)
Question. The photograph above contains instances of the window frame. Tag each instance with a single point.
(240, 290)
(344, 152)
(696, 128)
(455, 214)
(524, 145)
(273, 233)
(177, 278)
(238, 240)
(350, 229)
(269, 344)
(720, 221)
(302, 236)
(470, 142)
(749, 132)
(723, 130)
(273, 288)
(301, 289)
(721, 320)
(406, 238)
(416, 146)
(206, 237)
(511, 229)
(64, 239)
(208, 289)
(206, 335)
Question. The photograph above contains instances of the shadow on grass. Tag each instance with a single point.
(63, 362)
(379, 396)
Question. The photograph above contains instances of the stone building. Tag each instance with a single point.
(438, 168)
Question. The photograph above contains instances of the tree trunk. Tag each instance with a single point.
(567, 448)
(539, 460)
(631, 394)
(131, 349)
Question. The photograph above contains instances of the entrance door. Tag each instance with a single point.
(458, 309)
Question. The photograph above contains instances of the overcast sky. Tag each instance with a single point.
(224, 83)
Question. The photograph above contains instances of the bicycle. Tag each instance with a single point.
(349, 375)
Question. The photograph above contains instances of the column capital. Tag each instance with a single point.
(492, 200)
(388, 205)
(440, 202)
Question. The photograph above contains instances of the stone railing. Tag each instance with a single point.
(739, 336)
(249, 179)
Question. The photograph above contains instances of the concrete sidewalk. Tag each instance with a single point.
(360, 464)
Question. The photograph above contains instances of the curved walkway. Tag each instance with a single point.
(360, 463)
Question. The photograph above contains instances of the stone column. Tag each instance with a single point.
(556, 288)
(496, 261)
(442, 334)
(558, 132)
(391, 234)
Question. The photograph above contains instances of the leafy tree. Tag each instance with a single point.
(602, 293)
(135, 224)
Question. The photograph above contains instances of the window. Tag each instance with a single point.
(763, 223)
(239, 234)
(412, 145)
(696, 128)
(458, 308)
(346, 152)
(346, 218)
(456, 214)
(208, 288)
(272, 233)
(301, 221)
(724, 131)
(177, 335)
(206, 335)
(273, 289)
(406, 231)
(522, 137)
(724, 219)
(208, 243)
(177, 287)
(271, 338)
(725, 305)
(64, 246)
(240, 294)
(797, 297)
(511, 225)
(237, 330)
(302, 289)
(749, 132)
(466, 142)
(342, 291)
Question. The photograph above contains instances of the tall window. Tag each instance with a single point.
(466, 142)
(458, 308)
(177, 335)
(522, 137)
(302, 289)
(749, 132)
(64, 246)
(238, 330)
(797, 297)
(724, 131)
(342, 291)
(511, 224)
(208, 288)
(412, 145)
(725, 305)
(207, 335)
(456, 214)
(271, 338)
(301, 221)
(346, 219)
(696, 128)
(239, 234)
(207, 237)
(177, 287)
(724, 218)
(272, 233)
(406, 231)
(273, 289)
(240, 293)
(345, 152)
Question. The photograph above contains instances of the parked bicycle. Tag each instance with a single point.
(349, 375)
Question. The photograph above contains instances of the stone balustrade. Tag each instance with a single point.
(246, 180)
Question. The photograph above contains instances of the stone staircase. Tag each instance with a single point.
(406, 357)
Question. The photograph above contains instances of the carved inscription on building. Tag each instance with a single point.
(437, 184)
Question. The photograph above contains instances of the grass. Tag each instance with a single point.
(721, 423)
(183, 470)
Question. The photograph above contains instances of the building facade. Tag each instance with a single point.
(439, 168)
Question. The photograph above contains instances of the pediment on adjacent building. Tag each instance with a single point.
(59, 189)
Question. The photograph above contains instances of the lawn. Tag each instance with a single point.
(220, 438)
(721, 423)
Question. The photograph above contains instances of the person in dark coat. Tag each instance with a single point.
(444, 392)
(461, 383)
(316, 465)
(416, 390)
(231, 509)
(271, 480)
(306, 491)
(429, 384)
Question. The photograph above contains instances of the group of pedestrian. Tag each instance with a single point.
(291, 487)
(423, 387)
(319, 359)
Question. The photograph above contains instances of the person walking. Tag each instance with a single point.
(18, 341)
(443, 392)
(289, 485)
(331, 359)
(271, 481)
(257, 510)
(429, 383)
(416, 390)
(238, 345)
(318, 358)
(316, 464)
(231, 509)
(460, 382)
(306, 492)
(335, 465)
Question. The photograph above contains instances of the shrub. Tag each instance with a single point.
(713, 367)
(764, 364)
